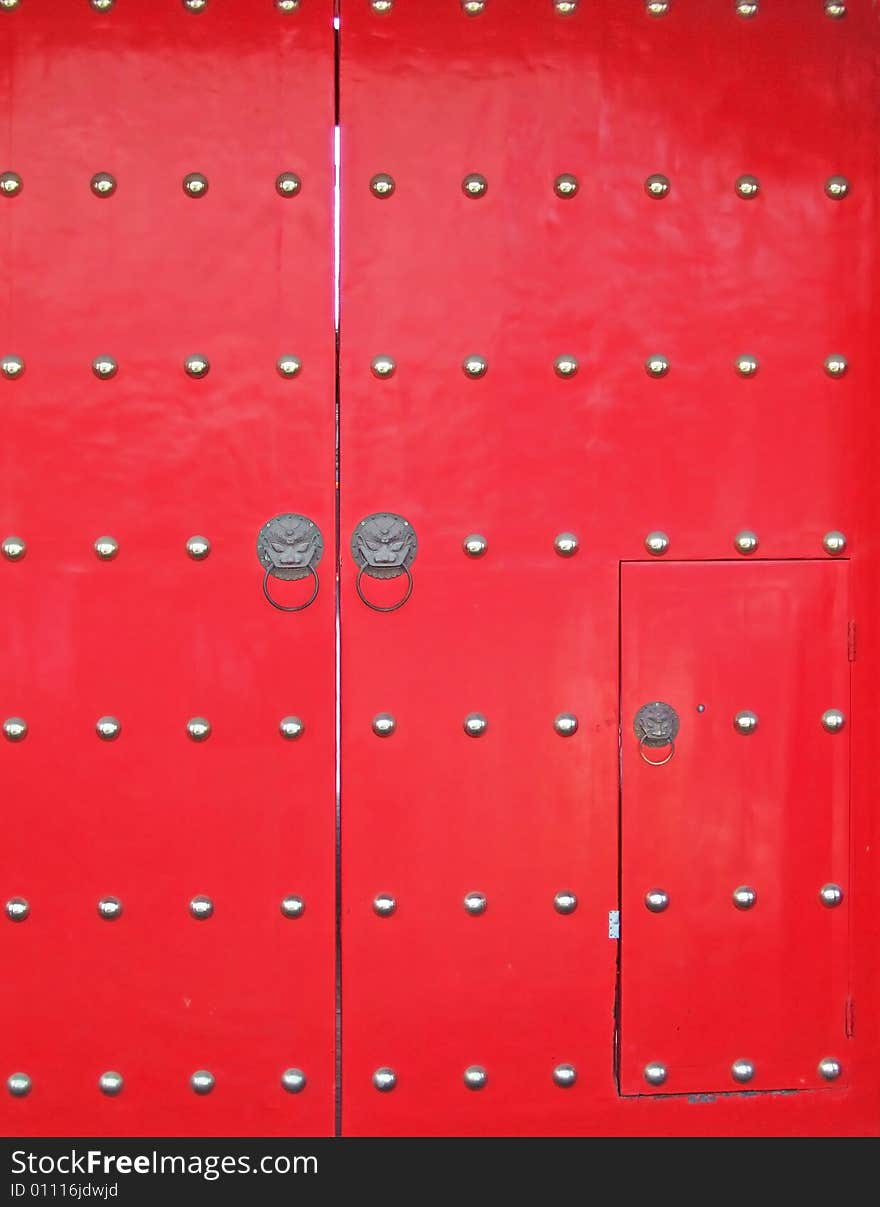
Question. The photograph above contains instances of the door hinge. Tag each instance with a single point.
(614, 924)
(851, 640)
(849, 1024)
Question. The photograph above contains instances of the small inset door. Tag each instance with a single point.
(735, 722)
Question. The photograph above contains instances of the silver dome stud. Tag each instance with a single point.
(381, 6)
(746, 365)
(565, 185)
(10, 184)
(196, 365)
(109, 908)
(657, 8)
(293, 907)
(195, 6)
(656, 543)
(9, 4)
(565, 8)
(106, 547)
(108, 728)
(198, 728)
(202, 1081)
(293, 1080)
(11, 367)
(835, 9)
(287, 184)
(745, 722)
(565, 902)
(103, 6)
(18, 1084)
(474, 366)
(565, 366)
(657, 186)
(15, 729)
(110, 1083)
(103, 184)
(831, 895)
(475, 724)
(384, 905)
(745, 542)
(473, 8)
(104, 367)
(384, 725)
(746, 9)
(288, 365)
(657, 366)
(747, 187)
(384, 1080)
(474, 185)
(195, 184)
(836, 187)
(474, 545)
(742, 1071)
(291, 728)
(836, 365)
(201, 908)
(656, 900)
(566, 544)
(565, 724)
(833, 720)
(744, 896)
(382, 185)
(655, 1073)
(834, 543)
(829, 1068)
(565, 1075)
(475, 1077)
(475, 903)
(382, 367)
(198, 548)
(17, 909)
(14, 548)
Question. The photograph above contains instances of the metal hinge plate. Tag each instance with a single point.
(614, 924)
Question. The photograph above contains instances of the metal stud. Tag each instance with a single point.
(293, 907)
(293, 1080)
(202, 1081)
(566, 544)
(745, 722)
(655, 1073)
(12, 367)
(835, 9)
(565, 1075)
(198, 728)
(742, 1071)
(745, 542)
(474, 366)
(475, 724)
(473, 8)
(656, 900)
(382, 185)
(195, 184)
(831, 895)
(195, 6)
(201, 908)
(287, 184)
(474, 545)
(198, 548)
(291, 728)
(18, 1084)
(384, 725)
(657, 543)
(103, 6)
(10, 184)
(108, 728)
(744, 896)
(9, 4)
(834, 542)
(565, 185)
(383, 366)
(288, 365)
(110, 908)
(746, 9)
(565, 724)
(565, 902)
(384, 905)
(104, 367)
(836, 187)
(829, 1068)
(106, 547)
(833, 720)
(384, 1080)
(746, 366)
(475, 1077)
(15, 729)
(657, 8)
(747, 187)
(474, 185)
(103, 184)
(657, 186)
(657, 366)
(287, 6)
(111, 1084)
(565, 366)
(836, 365)
(196, 366)
(17, 909)
(475, 903)
(14, 548)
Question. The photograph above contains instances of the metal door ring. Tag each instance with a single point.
(643, 742)
(289, 547)
(291, 607)
(390, 607)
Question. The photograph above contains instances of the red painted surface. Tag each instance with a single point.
(150, 92)
(611, 276)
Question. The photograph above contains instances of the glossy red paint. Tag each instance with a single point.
(610, 276)
(150, 92)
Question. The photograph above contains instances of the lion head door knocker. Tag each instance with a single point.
(384, 546)
(289, 547)
(656, 726)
